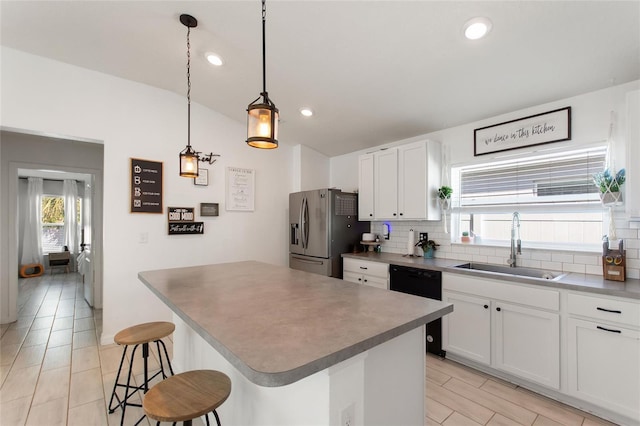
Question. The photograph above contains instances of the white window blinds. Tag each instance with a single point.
(564, 179)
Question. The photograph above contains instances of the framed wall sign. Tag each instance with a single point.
(552, 126)
(203, 178)
(240, 192)
(146, 186)
(209, 209)
(181, 214)
(182, 228)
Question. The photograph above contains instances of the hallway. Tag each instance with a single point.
(52, 367)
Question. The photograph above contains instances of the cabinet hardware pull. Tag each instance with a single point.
(401, 214)
(359, 279)
(608, 329)
(608, 310)
(363, 267)
(366, 280)
(394, 214)
(486, 306)
(370, 214)
(498, 309)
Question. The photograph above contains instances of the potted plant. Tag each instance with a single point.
(444, 192)
(609, 185)
(466, 238)
(428, 247)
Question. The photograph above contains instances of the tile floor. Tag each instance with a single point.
(53, 371)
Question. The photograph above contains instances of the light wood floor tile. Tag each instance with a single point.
(500, 420)
(436, 376)
(20, 383)
(547, 407)
(52, 384)
(29, 356)
(60, 338)
(92, 413)
(14, 335)
(83, 339)
(460, 404)
(24, 321)
(453, 369)
(83, 313)
(52, 413)
(36, 337)
(65, 312)
(8, 353)
(85, 359)
(84, 324)
(42, 323)
(14, 412)
(591, 420)
(430, 422)
(59, 356)
(492, 402)
(86, 386)
(4, 372)
(543, 421)
(46, 311)
(62, 323)
(457, 419)
(437, 411)
(110, 358)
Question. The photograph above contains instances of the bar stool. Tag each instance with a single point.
(141, 334)
(187, 396)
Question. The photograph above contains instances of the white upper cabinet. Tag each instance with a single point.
(405, 182)
(365, 192)
(633, 155)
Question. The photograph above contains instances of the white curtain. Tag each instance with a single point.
(32, 242)
(70, 192)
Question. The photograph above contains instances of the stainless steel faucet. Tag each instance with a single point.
(516, 245)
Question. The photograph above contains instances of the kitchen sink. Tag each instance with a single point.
(517, 271)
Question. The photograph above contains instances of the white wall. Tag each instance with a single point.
(310, 169)
(591, 117)
(134, 120)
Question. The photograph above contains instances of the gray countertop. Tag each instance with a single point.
(278, 325)
(572, 281)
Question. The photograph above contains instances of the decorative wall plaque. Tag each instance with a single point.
(146, 186)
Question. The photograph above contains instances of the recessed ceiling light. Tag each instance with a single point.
(307, 112)
(477, 28)
(214, 58)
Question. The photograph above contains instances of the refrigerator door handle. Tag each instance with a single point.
(301, 222)
(305, 222)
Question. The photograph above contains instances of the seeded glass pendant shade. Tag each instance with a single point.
(262, 118)
(189, 163)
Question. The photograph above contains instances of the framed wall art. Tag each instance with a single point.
(203, 177)
(146, 186)
(547, 127)
(240, 194)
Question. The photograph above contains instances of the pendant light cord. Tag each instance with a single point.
(264, 51)
(188, 88)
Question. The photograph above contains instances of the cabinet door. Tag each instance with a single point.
(527, 343)
(365, 187)
(385, 171)
(352, 277)
(603, 366)
(467, 330)
(412, 181)
(376, 281)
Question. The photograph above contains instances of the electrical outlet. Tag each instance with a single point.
(347, 418)
(424, 236)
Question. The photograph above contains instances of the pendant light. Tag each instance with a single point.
(189, 158)
(262, 118)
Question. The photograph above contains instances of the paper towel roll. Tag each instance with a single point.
(411, 243)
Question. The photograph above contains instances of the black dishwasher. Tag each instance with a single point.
(424, 283)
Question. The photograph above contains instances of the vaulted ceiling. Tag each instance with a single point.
(373, 71)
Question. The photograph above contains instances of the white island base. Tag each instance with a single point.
(382, 386)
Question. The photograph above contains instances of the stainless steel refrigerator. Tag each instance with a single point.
(323, 225)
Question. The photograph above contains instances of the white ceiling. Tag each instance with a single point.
(374, 71)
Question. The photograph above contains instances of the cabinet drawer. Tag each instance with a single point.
(509, 292)
(375, 269)
(604, 309)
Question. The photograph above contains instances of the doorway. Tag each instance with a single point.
(24, 152)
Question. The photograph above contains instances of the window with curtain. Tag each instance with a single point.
(558, 202)
(53, 222)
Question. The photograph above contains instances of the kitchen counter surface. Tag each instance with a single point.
(278, 325)
(572, 281)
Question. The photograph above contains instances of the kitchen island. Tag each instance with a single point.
(300, 348)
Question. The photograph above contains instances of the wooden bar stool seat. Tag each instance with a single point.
(141, 334)
(187, 396)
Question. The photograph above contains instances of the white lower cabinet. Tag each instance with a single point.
(603, 337)
(358, 271)
(510, 327)
(527, 343)
(467, 330)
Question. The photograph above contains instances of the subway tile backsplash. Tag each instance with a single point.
(555, 260)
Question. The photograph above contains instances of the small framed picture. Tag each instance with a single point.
(203, 178)
(209, 209)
